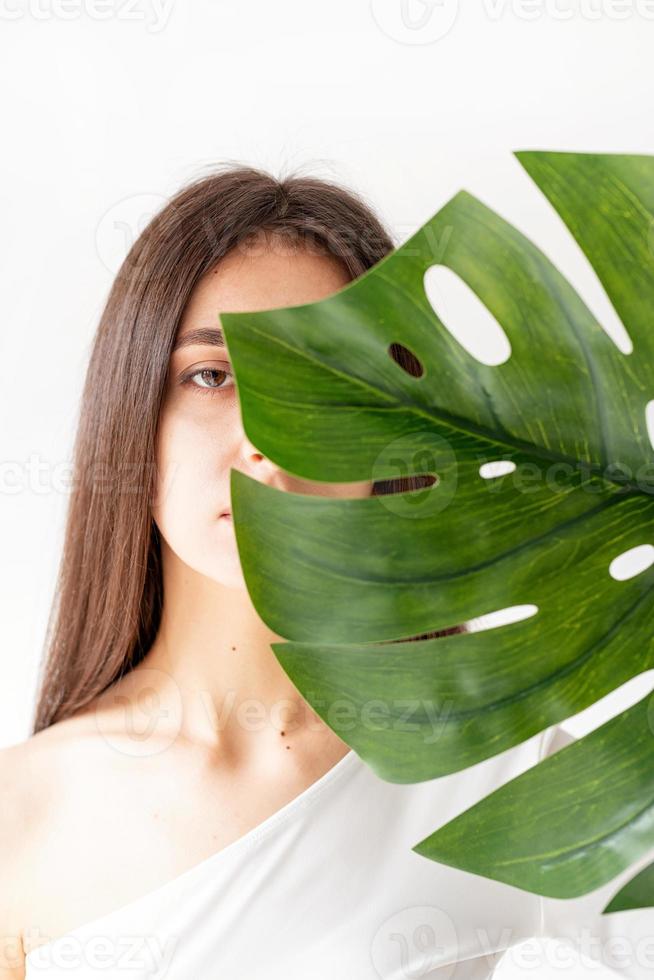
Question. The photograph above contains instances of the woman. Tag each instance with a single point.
(180, 810)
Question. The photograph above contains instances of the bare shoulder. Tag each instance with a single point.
(30, 769)
(32, 773)
(24, 779)
(20, 817)
(38, 772)
(68, 792)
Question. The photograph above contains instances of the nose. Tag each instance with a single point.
(254, 459)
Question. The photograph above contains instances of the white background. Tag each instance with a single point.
(108, 108)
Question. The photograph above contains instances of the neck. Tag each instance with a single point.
(215, 676)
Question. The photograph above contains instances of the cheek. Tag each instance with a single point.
(192, 470)
(196, 448)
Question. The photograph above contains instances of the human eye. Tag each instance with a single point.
(211, 380)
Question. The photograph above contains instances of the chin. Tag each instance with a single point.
(235, 581)
(229, 573)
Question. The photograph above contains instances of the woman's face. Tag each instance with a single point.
(200, 436)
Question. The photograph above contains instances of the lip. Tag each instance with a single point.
(227, 514)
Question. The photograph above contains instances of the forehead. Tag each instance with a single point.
(248, 281)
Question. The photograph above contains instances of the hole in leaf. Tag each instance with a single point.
(649, 420)
(615, 329)
(446, 631)
(406, 359)
(403, 484)
(465, 317)
(591, 290)
(501, 617)
(632, 562)
(498, 467)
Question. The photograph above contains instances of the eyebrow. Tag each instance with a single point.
(204, 335)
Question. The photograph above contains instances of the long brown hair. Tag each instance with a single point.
(109, 592)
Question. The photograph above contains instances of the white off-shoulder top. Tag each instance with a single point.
(328, 888)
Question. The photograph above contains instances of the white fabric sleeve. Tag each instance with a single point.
(621, 941)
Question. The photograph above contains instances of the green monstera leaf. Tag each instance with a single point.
(592, 806)
(348, 581)
(636, 894)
